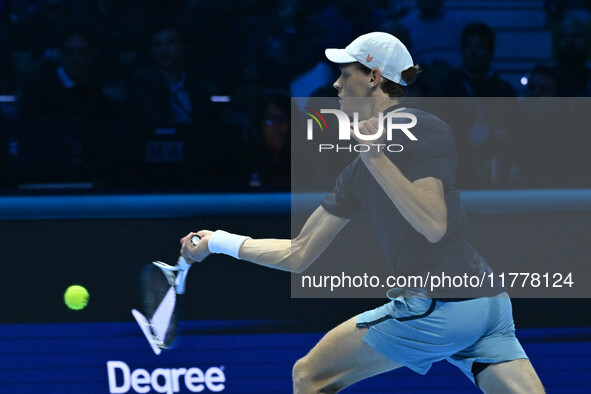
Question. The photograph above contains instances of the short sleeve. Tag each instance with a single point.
(341, 201)
(433, 155)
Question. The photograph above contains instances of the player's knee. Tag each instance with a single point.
(304, 379)
(517, 376)
(300, 376)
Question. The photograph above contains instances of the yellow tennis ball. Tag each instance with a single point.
(76, 297)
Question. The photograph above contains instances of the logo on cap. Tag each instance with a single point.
(369, 58)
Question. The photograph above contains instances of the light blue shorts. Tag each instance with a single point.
(417, 331)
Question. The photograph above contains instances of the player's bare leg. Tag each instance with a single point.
(340, 359)
(517, 376)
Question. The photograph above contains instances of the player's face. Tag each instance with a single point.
(351, 83)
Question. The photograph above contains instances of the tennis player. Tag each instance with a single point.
(411, 201)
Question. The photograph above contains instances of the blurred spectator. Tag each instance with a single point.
(434, 33)
(8, 110)
(68, 89)
(358, 13)
(481, 131)
(264, 58)
(9, 133)
(269, 163)
(559, 9)
(398, 30)
(173, 117)
(61, 110)
(544, 81)
(476, 78)
(166, 92)
(4, 148)
(383, 10)
(540, 140)
(573, 46)
(552, 141)
(121, 26)
(7, 80)
(241, 27)
(39, 31)
(9, 86)
(433, 76)
(329, 27)
(332, 26)
(572, 49)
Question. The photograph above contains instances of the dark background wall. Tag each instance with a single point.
(40, 258)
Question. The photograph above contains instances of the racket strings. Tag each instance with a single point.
(160, 322)
(159, 303)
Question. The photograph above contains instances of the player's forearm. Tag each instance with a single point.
(299, 253)
(425, 211)
(280, 254)
(284, 254)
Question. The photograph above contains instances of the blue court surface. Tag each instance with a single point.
(115, 357)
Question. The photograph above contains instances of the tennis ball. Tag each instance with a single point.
(76, 297)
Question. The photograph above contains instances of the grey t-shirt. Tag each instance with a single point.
(410, 253)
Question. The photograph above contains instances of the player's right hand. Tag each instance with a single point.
(196, 253)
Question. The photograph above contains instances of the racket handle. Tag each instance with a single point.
(181, 276)
(182, 268)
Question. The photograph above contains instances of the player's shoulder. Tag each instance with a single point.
(429, 123)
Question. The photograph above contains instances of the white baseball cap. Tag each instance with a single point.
(380, 50)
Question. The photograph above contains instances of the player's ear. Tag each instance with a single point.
(374, 77)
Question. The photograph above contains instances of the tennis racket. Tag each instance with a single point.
(161, 285)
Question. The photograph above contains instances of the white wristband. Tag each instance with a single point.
(226, 243)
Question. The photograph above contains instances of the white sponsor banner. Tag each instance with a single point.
(163, 380)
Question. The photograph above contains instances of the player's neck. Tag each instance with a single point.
(382, 103)
(372, 106)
